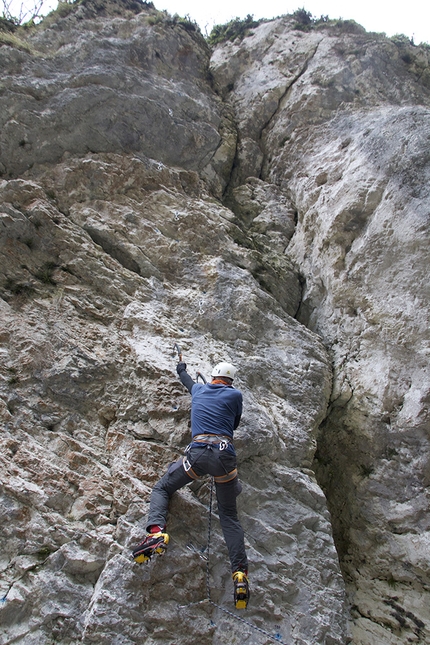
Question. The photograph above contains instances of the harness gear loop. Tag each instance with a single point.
(209, 440)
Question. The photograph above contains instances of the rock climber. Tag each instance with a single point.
(216, 409)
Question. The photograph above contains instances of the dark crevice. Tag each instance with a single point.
(236, 162)
(114, 249)
(302, 285)
(268, 123)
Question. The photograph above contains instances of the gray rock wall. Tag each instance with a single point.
(345, 137)
(310, 275)
(115, 83)
(97, 291)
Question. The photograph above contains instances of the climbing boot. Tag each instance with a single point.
(153, 543)
(241, 589)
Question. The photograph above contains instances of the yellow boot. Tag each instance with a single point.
(153, 543)
(241, 589)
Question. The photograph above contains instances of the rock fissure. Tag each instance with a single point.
(283, 98)
(302, 283)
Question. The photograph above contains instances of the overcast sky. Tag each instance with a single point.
(409, 17)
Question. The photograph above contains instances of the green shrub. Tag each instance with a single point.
(156, 18)
(366, 470)
(176, 19)
(18, 288)
(348, 26)
(305, 21)
(391, 581)
(401, 39)
(7, 24)
(64, 8)
(236, 28)
(44, 274)
(185, 22)
(407, 58)
(303, 18)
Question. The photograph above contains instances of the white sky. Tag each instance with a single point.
(408, 17)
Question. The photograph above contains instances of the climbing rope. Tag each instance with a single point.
(277, 639)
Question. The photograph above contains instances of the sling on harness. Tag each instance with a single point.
(220, 439)
(222, 442)
(219, 479)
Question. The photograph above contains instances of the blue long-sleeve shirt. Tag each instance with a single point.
(215, 408)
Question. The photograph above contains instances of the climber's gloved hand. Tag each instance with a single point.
(181, 367)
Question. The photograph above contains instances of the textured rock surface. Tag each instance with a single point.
(101, 83)
(344, 132)
(99, 282)
(311, 275)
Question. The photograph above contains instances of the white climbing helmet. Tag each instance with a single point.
(224, 369)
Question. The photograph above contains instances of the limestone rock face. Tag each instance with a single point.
(275, 216)
(108, 261)
(115, 83)
(345, 136)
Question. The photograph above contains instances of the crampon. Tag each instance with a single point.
(153, 543)
(241, 589)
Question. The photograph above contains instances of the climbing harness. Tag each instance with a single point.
(188, 468)
(224, 479)
(219, 479)
(222, 440)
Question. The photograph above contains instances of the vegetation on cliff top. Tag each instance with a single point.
(233, 29)
(237, 28)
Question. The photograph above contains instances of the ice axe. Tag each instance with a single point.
(176, 348)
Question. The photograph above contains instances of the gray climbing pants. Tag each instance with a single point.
(205, 460)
